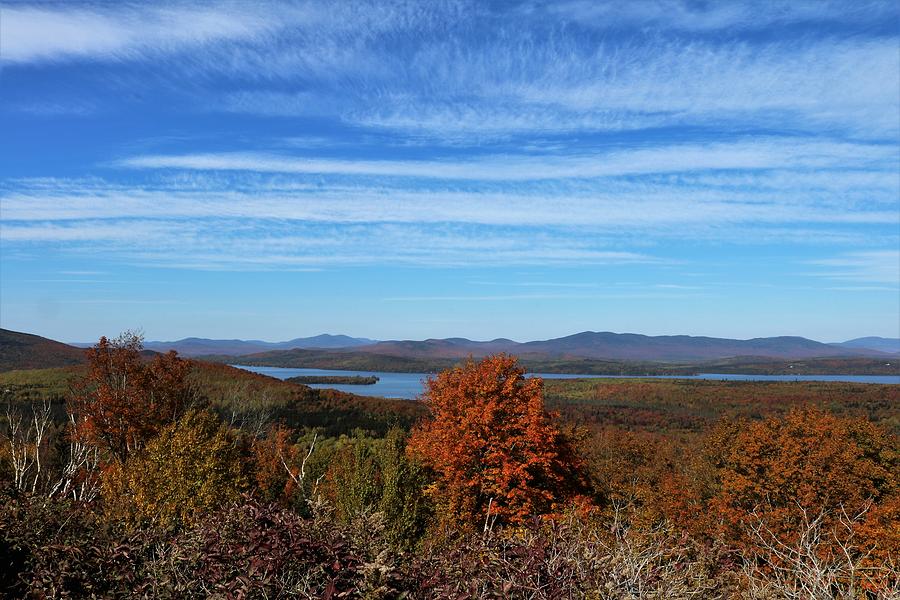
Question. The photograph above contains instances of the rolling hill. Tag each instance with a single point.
(26, 351)
(630, 346)
(879, 344)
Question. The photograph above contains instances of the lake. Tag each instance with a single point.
(410, 385)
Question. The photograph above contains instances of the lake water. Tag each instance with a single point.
(410, 385)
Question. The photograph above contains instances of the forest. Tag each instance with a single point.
(349, 360)
(144, 477)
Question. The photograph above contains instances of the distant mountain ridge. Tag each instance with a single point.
(630, 346)
(880, 344)
(603, 345)
(202, 346)
(25, 351)
(607, 345)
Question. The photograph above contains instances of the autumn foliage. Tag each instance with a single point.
(493, 447)
(275, 468)
(694, 490)
(124, 401)
(191, 468)
(781, 471)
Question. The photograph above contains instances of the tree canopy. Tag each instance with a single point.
(124, 401)
(492, 445)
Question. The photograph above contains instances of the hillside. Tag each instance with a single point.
(27, 351)
(240, 397)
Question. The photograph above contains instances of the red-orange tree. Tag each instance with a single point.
(124, 401)
(492, 445)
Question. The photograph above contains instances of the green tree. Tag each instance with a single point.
(404, 505)
(368, 476)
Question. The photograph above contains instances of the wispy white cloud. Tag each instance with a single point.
(460, 70)
(532, 297)
(685, 15)
(261, 245)
(85, 281)
(125, 31)
(877, 266)
(654, 84)
(66, 107)
(467, 72)
(611, 205)
(91, 30)
(864, 288)
(82, 273)
(88, 231)
(758, 153)
(519, 81)
(536, 284)
(266, 222)
(676, 286)
(120, 301)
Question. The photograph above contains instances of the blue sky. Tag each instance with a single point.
(429, 169)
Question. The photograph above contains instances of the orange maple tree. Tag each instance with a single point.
(275, 461)
(492, 445)
(124, 401)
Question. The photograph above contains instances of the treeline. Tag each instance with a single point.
(334, 379)
(349, 360)
(159, 479)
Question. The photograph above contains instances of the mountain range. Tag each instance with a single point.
(200, 346)
(588, 344)
(26, 351)
(624, 346)
(194, 346)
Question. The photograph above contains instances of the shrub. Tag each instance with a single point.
(376, 477)
(191, 468)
